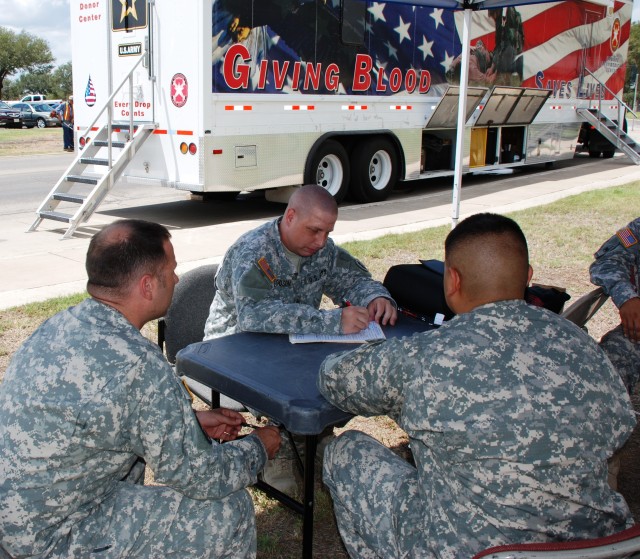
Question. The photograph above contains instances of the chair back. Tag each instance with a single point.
(585, 307)
(183, 324)
(622, 545)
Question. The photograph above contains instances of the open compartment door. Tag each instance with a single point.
(512, 106)
(445, 114)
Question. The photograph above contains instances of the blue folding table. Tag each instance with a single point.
(267, 373)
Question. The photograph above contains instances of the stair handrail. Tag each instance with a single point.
(621, 104)
(109, 107)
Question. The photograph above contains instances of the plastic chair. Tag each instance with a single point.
(184, 321)
(625, 544)
(585, 307)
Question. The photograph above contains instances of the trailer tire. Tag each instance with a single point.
(594, 154)
(608, 154)
(374, 172)
(329, 168)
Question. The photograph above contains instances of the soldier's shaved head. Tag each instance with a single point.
(310, 197)
(309, 218)
(489, 252)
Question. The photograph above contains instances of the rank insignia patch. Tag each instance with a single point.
(627, 238)
(266, 269)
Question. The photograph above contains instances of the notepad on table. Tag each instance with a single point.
(371, 332)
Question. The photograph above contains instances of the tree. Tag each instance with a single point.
(22, 52)
(633, 63)
(62, 81)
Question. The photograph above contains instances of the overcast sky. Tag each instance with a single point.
(49, 20)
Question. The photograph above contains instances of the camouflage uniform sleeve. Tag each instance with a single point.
(351, 280)
(165, 431)
(368, 380)
(616, 268)
(261, 309)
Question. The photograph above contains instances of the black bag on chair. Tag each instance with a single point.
(419, 288)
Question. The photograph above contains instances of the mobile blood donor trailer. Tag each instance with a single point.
(223, 96)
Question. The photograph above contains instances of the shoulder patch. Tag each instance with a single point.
(266, 269)
(627, 238)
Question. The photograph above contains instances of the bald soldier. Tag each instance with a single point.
(87, 401)
(511, 413)
(273, 278)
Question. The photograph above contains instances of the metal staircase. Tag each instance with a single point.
(611, 130)
(101, 160)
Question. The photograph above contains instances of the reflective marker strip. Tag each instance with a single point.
(555, 107)
(354, 107)
(238, 108)
(401, 107)
(299, 108)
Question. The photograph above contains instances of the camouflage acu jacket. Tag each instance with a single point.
(617, 264)
(511, 412)
(258, 289)
(81, 401)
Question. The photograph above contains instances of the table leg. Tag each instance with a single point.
(310, 445)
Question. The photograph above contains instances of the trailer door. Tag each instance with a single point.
(131, 40)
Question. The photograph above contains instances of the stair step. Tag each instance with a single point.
(80, 178)
(67, 197)
(94, 161)
(105, 143)
(56, 216)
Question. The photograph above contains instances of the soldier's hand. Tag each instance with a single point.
(221, 424)
(354, 319)
(382, 311)
(630, 318)
(270, 437)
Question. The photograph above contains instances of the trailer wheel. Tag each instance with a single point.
(594, 154)
(329, 168)
(608, 154)
(374, 169)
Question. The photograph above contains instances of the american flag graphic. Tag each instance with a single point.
(90, 93)
(627, 238)
(555, 35)
(550, 51)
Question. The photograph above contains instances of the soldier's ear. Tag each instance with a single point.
(146, 286)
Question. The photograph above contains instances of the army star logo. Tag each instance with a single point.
(126, 9)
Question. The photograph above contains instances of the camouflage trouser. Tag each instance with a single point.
(375, 497)
(624, 354)
(157, 522)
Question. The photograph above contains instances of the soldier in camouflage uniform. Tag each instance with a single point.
(273, 278)
(511, 413)
(87, 400)
(617, 269)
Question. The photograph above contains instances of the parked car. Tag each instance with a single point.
(36, 114)
(9, 117)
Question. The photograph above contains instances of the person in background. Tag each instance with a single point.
(273, 279)
(64, 112)
(87, 401)
(511, 413)
(617, 269)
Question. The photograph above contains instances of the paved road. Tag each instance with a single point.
(36, 266)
